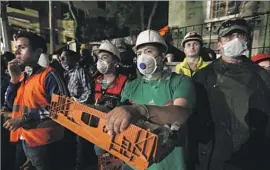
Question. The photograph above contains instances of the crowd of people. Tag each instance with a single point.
(219, 109)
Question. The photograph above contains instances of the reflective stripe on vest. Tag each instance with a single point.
(41, 112)
(31, 98)
(24, 109)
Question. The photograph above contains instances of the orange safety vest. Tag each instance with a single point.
(30, 97)
(119, 83)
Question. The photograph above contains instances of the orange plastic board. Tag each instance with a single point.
(135, 146)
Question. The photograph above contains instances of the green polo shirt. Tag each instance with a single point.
(162, 92)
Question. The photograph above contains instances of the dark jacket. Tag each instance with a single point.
(5, 78)
(239, 105)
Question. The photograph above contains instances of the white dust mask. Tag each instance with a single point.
(146, 64)
(235, 48)
(102, 66)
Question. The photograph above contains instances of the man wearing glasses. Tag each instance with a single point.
(238, 102)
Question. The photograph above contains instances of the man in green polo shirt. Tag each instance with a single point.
(158, 96)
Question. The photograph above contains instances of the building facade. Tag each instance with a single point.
(34, 16)
(206, 16)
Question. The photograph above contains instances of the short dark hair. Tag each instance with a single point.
(35, 40)
(70, 52)
(74, 55)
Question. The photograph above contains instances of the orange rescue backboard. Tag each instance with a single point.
(135, 146)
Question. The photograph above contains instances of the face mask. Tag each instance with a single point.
(65, 66)
(235, 48)
(146, 64)
(102, 66)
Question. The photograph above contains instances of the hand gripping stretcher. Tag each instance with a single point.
(136, 146)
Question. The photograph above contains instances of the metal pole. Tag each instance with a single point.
(51, 27)
(265, 32)
(178, 34)
(4, 27)
(202, 29)
(209, 43)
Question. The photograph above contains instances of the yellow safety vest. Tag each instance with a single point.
(183, 67)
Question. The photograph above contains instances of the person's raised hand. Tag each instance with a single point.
(14, 70)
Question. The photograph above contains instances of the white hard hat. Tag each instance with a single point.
(95, 43)
(109, 47)
(150, 36)
(44, 60)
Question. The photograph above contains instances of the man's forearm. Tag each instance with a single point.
(165, 114)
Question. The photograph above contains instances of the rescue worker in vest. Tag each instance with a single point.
(110, 83)
(158, 96)
(77, 78)
(29, 95)
(192, 44)
(263, 60)
(239, 105)
(107, 93)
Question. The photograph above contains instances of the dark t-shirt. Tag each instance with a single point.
(239, 99)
